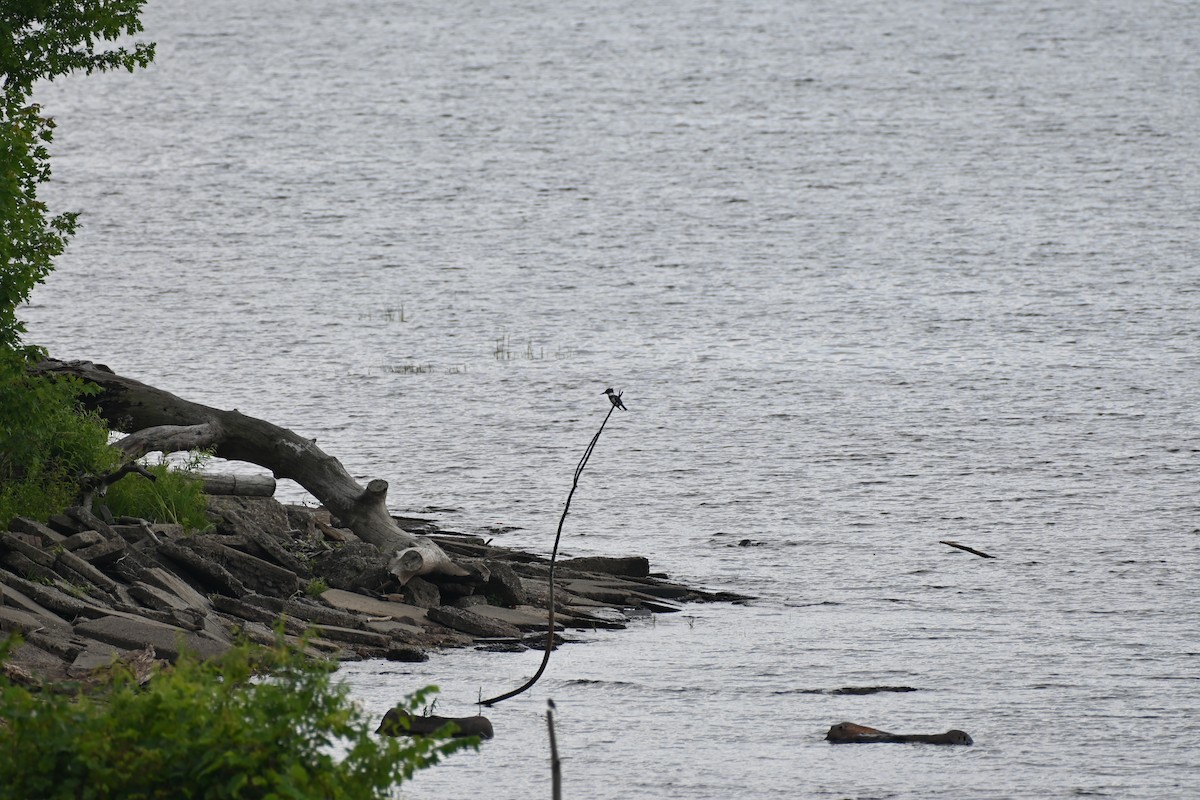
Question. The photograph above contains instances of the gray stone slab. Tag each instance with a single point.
(94, 576)
(14, 542)
(630, 566)
(156, 597)
(527, 618)
(361, 604)
(157, 576)
(59, 602)
(131, 633)
(104, 552)
(16, 619)
(79, 541)
(15, 598)
(390, 627)
(352, 635)
(96, 655)
(34, 528)
(471, 623)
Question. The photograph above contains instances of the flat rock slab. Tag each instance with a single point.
(352, 635)
(157, 598)
(97, 655)
(16, 619)
(361, 604)
(628, 566)
(176, 586)
(392, 628)
(134, 634)
(527, 618)
(15, 598)
(32, 527)
(473, 624)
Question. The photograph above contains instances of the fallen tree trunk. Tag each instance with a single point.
(156, 420)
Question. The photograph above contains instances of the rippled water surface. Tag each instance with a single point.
(871, 275)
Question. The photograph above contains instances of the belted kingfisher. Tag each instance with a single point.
(615, 399)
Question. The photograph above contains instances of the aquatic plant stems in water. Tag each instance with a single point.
(553, 556)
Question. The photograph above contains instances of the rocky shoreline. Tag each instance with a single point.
(83, 590)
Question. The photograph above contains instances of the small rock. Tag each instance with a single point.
(406, 653)
(504, 585)
(356, 566)
(421, 593)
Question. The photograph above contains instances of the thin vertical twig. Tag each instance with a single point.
(555, 764)
(587, 454)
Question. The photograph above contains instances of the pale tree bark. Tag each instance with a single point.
(156, 420)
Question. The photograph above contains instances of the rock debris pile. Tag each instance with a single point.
(83, 590)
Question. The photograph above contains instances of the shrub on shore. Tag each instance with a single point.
(256, 723)
(47, 441)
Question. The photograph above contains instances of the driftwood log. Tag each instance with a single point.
(398, 722)
(850, 733)
(158, 421)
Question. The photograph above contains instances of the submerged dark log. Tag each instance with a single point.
(971, 550)
(157, 420)
(850, 733)
(399, 722)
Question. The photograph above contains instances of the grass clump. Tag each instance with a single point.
(255, 724)
(175, 495)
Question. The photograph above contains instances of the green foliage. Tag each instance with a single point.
(43, 40)
(316, 587)
(207, 730)
(29, 238)
(175, 495)
(47, 440)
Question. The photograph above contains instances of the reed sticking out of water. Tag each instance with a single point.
(555, 764)
(587, 454)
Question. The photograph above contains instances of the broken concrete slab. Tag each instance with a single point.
(132, 633)
(157, 598)
(59, 602)
(254, 573)
(96, 656)
(103, 553)
(626, 566)
(205, 570)
(361, 604)
(94, 576)
(157, 576)
(16, 544)
(352, 635)
(526, 618)
(21, 621)
(394, 629)
(83, 539)
(473, 624)
(32, 527)
(15, 598)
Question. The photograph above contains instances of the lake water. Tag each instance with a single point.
(871, 275)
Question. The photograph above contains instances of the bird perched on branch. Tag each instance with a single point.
(615, 399)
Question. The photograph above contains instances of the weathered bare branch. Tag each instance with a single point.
(157, 420)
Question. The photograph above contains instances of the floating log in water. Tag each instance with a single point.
(398, 722)
(979, 553)
(850, 733)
